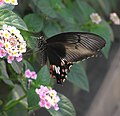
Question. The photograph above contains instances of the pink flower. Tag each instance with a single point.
(1, 2)
(33, 75)
(10, 59)
(47, 105)
(42, 96)
(42, 103)
(56, 107)
(1, 43)
(48, 97)
(2, 53)
(38, 91)
(43, 89)
(114, 18)
(19, 58)
(28, 73)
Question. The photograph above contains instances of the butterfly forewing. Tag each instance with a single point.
(75, 45)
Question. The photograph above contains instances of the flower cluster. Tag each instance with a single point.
(95, 18)
(48, 97)
(115, 19)
(13, 2)
(30, 74)
(12, 43)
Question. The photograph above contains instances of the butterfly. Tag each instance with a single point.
(64, 49)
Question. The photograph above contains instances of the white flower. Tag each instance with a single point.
(4, 27)
(56, 99)
(7, 1)
(22, 50)
(12, 41)
(95, 18)
(53, 93)
(14, 2)
(7, 45)
(114, 18)
(48, 98)
(12, 29)
(6, 34)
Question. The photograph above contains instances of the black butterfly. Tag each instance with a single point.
(64, 49)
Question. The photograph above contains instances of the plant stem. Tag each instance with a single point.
(12, 104)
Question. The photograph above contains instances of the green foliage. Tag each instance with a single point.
(34, 22)
(43, 77)
(17, 67)
(49, 17)
(18, 110)
(32, 98)
(104, 7)
(4, 75)
(10, 18)
(77, 75)
(44, 6)
(6, 6)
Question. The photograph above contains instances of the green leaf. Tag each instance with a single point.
(27, 65)
(85, 9)
(71, 28)
(45, 7)
(34, 22)
(51, 28)
(77, 76)
(66, 108)
(4, 74)
(105, 31)
(43, 77)
(77, 14)
(17, 66)
(62, 11)
(10, 18)
(17, 95)
(4, 92)
(18, 92)
(32, 98)
(18, 110)
(32, 42)
(6, 6)
(105, 6)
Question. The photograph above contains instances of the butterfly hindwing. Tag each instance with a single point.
(60, 72)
